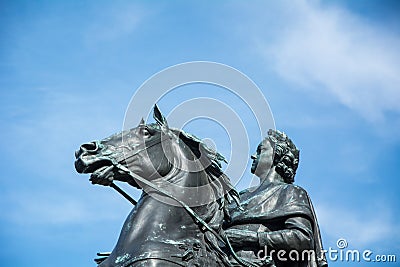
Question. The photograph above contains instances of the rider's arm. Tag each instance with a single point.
(297, 235)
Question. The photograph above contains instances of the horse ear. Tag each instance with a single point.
(159, 117)
(142, 122)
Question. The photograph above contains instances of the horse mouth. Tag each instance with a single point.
(83, 165)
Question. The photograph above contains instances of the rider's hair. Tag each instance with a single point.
(286, 155)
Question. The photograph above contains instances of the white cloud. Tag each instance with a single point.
(359, 228)
(49, 211)
(115, 21)
(42, 144)
(64, 208)
(59, 124)
(331, 50)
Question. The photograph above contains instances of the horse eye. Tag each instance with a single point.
(146, 132)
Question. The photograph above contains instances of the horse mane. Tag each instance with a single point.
(219, 181)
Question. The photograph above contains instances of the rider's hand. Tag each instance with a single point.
(242, 238)
(103, 176)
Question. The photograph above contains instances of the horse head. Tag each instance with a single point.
(143, 149)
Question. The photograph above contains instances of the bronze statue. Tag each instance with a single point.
(278, 216)
(187, 199)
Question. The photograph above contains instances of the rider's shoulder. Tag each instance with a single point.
(296, 189)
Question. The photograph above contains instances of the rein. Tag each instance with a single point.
(197, 219)
(147, 145)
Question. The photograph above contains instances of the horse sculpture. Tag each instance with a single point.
(184, 198)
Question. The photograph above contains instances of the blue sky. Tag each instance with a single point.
(329, 70)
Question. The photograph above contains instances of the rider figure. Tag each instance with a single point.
(278, 218)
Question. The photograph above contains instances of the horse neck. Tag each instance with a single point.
(201, 197)
(190, 187)
(187, 171)
(165, 211)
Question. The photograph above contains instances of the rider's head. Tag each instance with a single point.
(286, 155)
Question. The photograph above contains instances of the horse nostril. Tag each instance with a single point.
(90, 147)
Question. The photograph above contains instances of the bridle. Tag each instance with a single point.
(124, 156)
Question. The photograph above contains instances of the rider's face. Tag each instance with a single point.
(262, 159)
